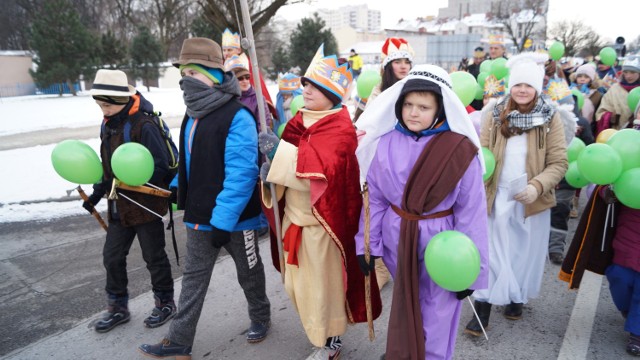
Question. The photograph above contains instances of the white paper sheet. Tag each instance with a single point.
(517, 185)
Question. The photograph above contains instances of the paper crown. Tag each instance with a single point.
(493, 87)
(288, 82)
(325, 72)
(237, 61)
(230, 39)
(396, 48)
(496, 39)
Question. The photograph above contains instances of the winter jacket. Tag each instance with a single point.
(144, 131)
(546, 159)
(217, 186)
(615, 101)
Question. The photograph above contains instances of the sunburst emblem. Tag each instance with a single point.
(558, 90)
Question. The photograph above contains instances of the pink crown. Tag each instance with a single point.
(288, 82)
(230, 39)
(326, 72)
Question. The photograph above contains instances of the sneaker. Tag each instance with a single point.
(258, 331)
(556, 258)
(161, 313)
(325, 353)
(166, 348)
(114, 317)
(633, 346)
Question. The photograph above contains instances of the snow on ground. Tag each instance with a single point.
(28, 179)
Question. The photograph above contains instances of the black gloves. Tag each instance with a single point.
(93, 200)
(460, 295)
(364, 266)
(220, 237)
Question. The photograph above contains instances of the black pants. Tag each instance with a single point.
(116, 249)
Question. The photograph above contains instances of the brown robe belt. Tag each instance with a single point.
(411, 217)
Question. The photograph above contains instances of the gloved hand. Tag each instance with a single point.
(93, 200)
(608, 195)
(364, 266)
(264, 171)
(528, 195)
(173, 198)
(268, 143)
(460, 295)
(220, 237)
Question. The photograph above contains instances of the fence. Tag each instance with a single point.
(18, 89)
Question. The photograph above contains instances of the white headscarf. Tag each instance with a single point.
(380, 116)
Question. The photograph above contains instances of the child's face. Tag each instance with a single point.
(582, 79)
(630, 76)
(314, 99)
(197, 75)
(401, 68)
(523, 94)
(109, 109)
(228, 52)
(419, 110)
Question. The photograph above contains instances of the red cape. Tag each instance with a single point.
(326, 156)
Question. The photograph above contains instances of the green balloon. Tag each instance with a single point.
(626, 143)
(281, 129)
(367, 80)
(485, 66)
(627, 188)
(452, 260)
(556, 50)
(132, 163)
(600, 164)
(489, 163)
(608, 56)
(575, 147)
(499, 68)
(174, 207)
(76, 162)
(574, 177)
(479, 92)
(296, 104)
(579, 96)
(464, 85)
(482, 77)
(633, 98)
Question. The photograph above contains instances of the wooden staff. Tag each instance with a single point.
(93, 209)
(154, 191)
(367, 258)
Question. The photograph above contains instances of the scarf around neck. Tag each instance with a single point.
(201, 99)
(541, 114)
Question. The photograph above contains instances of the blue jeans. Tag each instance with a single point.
(624, 284)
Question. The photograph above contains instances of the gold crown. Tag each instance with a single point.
(496, 39)
(288, 82)
(230, 39)
(237, 61)
(325, 71)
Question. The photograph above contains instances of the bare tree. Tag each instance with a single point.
(576, 37)
(519, 19)
(222, 14)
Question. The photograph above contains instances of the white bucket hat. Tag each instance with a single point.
(111, 83)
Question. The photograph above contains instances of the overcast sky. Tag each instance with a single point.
(609, 18)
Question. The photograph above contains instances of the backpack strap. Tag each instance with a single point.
(127, 131)
(171, 226)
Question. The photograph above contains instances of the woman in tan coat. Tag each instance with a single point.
(526, 137)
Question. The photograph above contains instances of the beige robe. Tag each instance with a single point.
(316, 287)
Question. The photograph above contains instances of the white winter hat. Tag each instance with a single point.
(527, 68)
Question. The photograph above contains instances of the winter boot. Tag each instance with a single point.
(574, 207)
(258, 331)
(633, 346)
(513, 311)
(484, 311)
(163, 311)
(166, 348)
(117, 313)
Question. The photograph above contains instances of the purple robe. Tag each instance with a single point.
(395, 157)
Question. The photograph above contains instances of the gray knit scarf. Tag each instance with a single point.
(202, 99)
(541, 114)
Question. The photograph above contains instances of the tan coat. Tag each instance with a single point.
(546, 160)
(615, 101)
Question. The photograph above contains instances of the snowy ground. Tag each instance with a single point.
(30, 188)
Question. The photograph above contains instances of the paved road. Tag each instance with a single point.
(51, 291)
